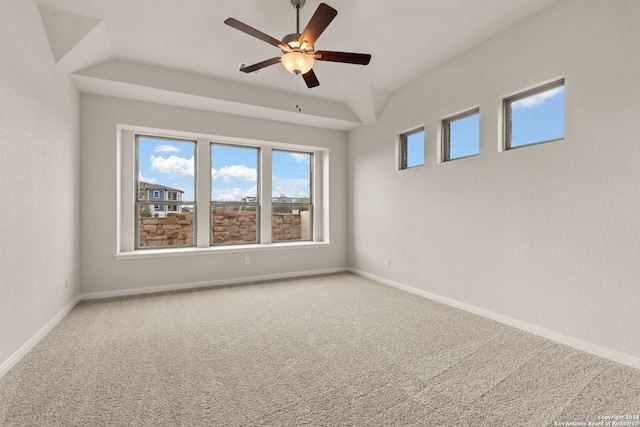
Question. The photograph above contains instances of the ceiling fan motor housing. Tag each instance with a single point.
(293, 41)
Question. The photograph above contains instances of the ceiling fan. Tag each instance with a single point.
(298, 53)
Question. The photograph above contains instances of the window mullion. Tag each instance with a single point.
(127, 202)
(318, 197)
(265, 195)
(203, 194)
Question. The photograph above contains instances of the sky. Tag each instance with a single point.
(169, 163)
(234, 169)
(534, 119)
(538, 118)
(464, 137)
(415, 149)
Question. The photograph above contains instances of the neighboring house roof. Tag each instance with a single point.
(284, 199)
(149, 186)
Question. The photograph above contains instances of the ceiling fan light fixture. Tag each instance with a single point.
(297, 62)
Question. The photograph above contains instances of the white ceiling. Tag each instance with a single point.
(135, 42)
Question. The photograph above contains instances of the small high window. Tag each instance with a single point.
(535, 116)
(412, 149)
(461, 135)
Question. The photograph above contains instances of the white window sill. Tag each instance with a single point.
(215, 250)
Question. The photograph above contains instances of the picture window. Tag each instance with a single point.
(216, 193)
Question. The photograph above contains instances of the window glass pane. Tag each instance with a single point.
(291, 196)
(166, 166)
(234, 173)
(234, 223)
(166, 173)
(234, 178)
(464, 136)
(412, 149)
(537, 118)
(291, 222)
(160, 226)
(291, 176)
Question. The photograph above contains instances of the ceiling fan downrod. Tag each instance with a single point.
(298, 4)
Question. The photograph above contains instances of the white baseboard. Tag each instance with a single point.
(600, 351)
(22, 351)
(587, 347)
(207, 284)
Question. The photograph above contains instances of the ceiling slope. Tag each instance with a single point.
(98, 42)
(65, 29)
(76, 41)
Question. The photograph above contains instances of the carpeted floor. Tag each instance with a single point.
(336, 350)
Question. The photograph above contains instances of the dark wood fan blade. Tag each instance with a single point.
(259, 65)
(349, 58)
(232, 22)
(310, 79)
(319, 22)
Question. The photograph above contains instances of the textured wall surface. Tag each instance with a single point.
(38, 179)
(546, 234)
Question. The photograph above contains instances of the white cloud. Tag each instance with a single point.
(290, 187)
(538, 99)
(166, 149)
(173, 166)
(299, 157)
(144, 179)
(228, 173)
(233, 194)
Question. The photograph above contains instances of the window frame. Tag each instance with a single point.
(126, 149)
(404, 152)
(506, 106)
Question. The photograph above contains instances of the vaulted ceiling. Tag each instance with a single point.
(181, 52)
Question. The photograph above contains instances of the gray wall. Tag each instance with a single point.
(38, 180)
(547, 234)
(101, 273)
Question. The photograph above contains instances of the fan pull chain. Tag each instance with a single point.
(299, 91)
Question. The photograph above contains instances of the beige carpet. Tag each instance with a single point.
(335, 350)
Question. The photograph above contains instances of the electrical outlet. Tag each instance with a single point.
(247, 261)
(387, 263)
